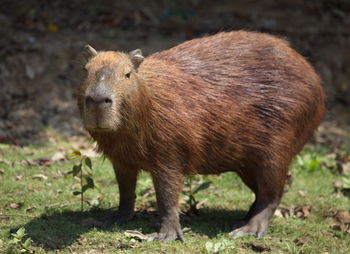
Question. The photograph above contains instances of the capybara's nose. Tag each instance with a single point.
(98, 100)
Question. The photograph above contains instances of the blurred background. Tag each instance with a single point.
(41, 50)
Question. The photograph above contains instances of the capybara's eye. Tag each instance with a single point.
(128, 74)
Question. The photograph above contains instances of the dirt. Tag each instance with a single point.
(41, 49)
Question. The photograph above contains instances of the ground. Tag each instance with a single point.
(36, 194)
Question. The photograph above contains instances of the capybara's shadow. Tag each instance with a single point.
(61, 229)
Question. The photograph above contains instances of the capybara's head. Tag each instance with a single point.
(109, 79)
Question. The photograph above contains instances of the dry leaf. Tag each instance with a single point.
(28, 209)
(18, 177)
(301, 193)
(302, 211)
(40, 177)
(342, 221)
(5, 161)
(284, 212)
(201, 204)
(59, 156)
(278, 213)
(342, 217)
(136, 234)
(15, 205)
(44, 162)
(345, 168)
(298, 212)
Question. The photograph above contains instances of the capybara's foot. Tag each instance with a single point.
(247, 230)
(118, 217)
(167, 234)
(254, 227)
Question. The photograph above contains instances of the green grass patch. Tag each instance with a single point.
(38, 198)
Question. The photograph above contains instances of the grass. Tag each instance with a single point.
(51, 215)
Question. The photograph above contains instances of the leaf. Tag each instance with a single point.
(201, 204)
(20, 233)
(345, 168)
(52, 28)
(40, 177)
(135, 234)
(88, 162)
(217, 247)
(27, 243)
(202, 186)
(43, 162)
(342, 221)
(15, 205)
(85, 188)
(75, 154)
(90, 182)
(346, 182)
(76, 193)
(59, 156)
(28, 209)
(209, 246)
(302, 211)
(97, 187)
(314, 163)
(15, 240)
(76, 169)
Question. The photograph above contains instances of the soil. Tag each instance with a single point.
(41, 49)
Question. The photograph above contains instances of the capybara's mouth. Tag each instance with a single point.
(97, 128)
(100, 129)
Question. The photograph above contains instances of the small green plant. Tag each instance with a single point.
(219, 246)
(293, 248)
(191, 191)
(18, 241)
(345, 187)
(83, 172)
(313, 161)
(308, 162)
(346, 182)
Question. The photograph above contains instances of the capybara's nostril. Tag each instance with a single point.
(97, 100)
(108, 101)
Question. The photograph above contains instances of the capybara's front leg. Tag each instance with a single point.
(126, 179)
(168, 185)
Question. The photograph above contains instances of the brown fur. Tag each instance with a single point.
(236, 101)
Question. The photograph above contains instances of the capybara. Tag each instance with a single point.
(235, 101)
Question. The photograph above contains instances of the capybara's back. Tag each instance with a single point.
(260, 75)
(235, 101)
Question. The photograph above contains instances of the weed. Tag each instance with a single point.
(190, 191)
(84, 174)
(18, 241)
(211, 247)
(312, 161)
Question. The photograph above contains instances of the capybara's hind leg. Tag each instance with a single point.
(268, 188)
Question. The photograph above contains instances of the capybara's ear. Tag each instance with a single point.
(92, 52)
(136, 57)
